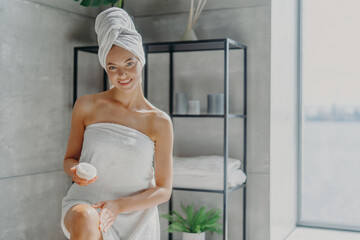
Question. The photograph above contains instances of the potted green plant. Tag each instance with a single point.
(97, 3)
(194, 225)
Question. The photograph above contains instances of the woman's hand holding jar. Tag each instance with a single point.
(80, 181)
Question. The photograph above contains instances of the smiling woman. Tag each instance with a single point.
(123, 136)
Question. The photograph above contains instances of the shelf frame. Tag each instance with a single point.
(225, 44)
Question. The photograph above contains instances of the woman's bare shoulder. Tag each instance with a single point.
(156, 113)
(161, 119)
(161, 115)
(84, 104)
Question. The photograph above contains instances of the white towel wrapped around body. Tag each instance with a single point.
(123, 158)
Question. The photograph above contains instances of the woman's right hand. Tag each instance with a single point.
(78, 180)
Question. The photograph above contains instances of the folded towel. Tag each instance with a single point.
(213, 182)
(204, 164)
(206, 172)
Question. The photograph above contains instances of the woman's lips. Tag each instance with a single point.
(124, 84)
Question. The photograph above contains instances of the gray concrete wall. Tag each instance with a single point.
(201, 73)
(284, 117)
(36, 66)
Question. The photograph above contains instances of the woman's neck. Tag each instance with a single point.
(130, 100)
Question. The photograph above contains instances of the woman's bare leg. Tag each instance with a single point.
(82, 221)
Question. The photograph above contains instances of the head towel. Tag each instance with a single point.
(114, 26)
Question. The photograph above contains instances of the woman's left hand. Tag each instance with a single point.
(109, 211)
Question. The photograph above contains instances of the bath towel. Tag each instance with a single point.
(114, 26)
(206, 171)
(204, 164)
(210, 181)
(123, 157)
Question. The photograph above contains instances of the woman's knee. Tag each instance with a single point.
(83, 219)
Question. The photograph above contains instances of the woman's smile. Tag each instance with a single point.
(125, 82)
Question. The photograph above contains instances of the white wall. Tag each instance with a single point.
(283, 120)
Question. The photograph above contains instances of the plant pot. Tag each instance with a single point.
(193, 236)
(189, 35)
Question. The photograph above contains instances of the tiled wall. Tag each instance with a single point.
(36, 67)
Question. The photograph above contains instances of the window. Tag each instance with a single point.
(329, 177)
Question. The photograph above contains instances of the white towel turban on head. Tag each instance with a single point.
(114, 26)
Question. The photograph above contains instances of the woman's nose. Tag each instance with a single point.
(122, 73)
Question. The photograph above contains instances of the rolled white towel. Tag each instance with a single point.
(86, 171)
(114, 26)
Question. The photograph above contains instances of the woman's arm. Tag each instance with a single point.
(164, 139)
(76, 135)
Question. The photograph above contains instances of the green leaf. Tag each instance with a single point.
(168, 216)
(216, 229)
(179, 225)
(85, 3)
(183, 207)
(120, 3)
(212, 219)
(211, 226)
(199, 217)
(176, 227)
(212, 216)
(190, 213)
(107, 2)
(96, 3)
(179, 218)
(213, 212)
(197, 229)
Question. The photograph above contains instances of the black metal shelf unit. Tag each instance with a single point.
(224, 44)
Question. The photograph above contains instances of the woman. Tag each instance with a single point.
(122, 134)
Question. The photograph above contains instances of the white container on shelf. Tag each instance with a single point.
(193, 107)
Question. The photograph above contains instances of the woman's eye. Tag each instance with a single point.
(127, 65)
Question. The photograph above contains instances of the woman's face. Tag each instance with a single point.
(121, 66)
